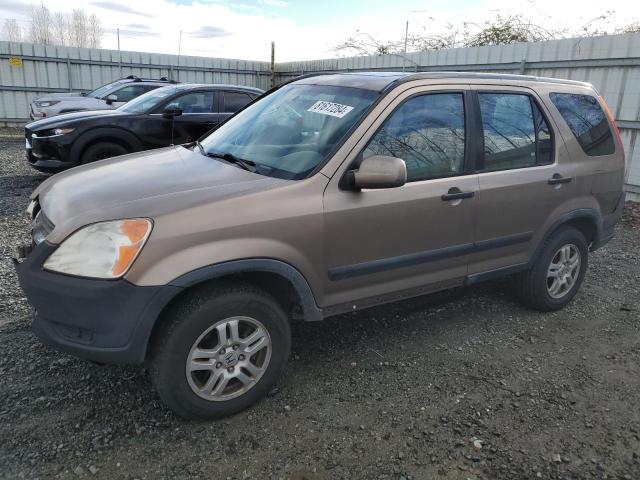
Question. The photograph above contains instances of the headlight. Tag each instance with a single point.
(101, 250)
(47, 104)
(30, 208)
(62, 131)
(53, 133)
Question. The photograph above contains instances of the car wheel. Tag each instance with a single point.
(557, 273)
(101, 151)
(219, 351)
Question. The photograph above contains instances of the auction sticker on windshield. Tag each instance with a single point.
(330, 108)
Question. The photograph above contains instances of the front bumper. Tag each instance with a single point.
(51, 153)
(107, 321)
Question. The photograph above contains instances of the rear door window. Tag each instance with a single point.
(587, 122)
(234, 101)
(509, 131)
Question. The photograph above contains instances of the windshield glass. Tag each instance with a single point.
(102, 91)
(147, 101)
(291, 131)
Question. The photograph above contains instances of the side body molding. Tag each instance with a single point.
(310, 308)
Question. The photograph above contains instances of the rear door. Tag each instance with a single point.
(389, 243)
(233, 100)
(524, 176)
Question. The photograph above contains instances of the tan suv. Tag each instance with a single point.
(332, 193)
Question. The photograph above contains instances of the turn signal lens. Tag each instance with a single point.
(101, 250)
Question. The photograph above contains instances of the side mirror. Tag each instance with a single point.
(111, 98)
(380, 171)
(172, 112)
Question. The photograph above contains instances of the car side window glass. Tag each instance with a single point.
(544, 140)
(195, 102)
(234, 101)
(130, 92)
(587, 122)
(509, 131)
(428, 133)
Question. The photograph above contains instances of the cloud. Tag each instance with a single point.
(124, 32)
(209, 32)
(118, 7)
(274, 3)
(138, 26)
(15, 7)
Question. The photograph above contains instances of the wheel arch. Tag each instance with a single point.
(283, 281)
(586, 220)
(120, 136)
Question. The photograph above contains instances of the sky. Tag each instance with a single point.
(303, 29)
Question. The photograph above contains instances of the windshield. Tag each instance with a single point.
(102, 91)
(147, 101)
(288, 133)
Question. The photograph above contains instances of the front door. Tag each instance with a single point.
(524, 177)
(415, 238)
(199, 115)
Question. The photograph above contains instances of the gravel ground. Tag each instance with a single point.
(462, 385)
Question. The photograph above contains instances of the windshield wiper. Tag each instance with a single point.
(231, 158)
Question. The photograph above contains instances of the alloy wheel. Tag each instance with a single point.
(563, 271)
(229, 358)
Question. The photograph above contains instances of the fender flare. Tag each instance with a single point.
(590, 214)
(98, 133)
(310, 308)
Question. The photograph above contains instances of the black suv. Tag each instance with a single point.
(169, 115)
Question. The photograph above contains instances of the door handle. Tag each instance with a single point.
(456, 194)
(558, 179)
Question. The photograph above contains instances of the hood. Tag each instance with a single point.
(60, 96)
(67, 118)
(92, 193)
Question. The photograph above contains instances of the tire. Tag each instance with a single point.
(537, 290)
(196, 394)
(102, 151)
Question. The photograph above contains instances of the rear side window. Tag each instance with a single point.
(428, 133)
(587, 121)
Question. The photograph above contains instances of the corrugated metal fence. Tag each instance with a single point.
(611, 63)
(28, 70)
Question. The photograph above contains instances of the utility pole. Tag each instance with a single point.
(273, 64)
(119, 53)
(179, 49)
(406, 36)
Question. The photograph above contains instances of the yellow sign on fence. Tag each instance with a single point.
(15, 61)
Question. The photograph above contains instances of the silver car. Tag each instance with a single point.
(106, 97)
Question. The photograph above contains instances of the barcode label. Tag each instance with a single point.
(330, 108)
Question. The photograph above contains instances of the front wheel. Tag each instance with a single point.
(102, 151)
(219, 352)
(558, 271)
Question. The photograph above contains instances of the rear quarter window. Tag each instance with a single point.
(587, 122)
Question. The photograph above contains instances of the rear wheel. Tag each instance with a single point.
(558, 272)
(220, 351)
(101, 151)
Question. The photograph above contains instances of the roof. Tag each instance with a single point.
(214, 86)
(380, 81)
